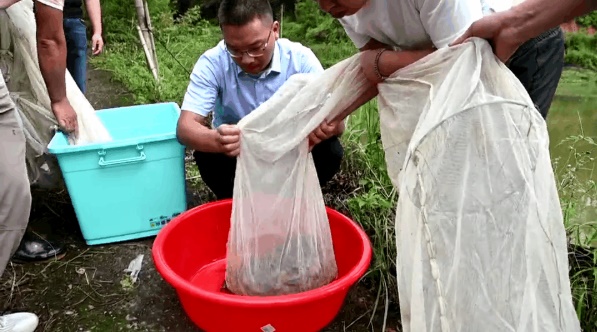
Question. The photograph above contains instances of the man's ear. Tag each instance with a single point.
(276, 29)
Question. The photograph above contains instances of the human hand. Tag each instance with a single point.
(229, 139)
(325, 131)
(66, 117)
(494, 29)
(97, 43)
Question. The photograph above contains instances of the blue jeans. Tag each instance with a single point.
(75, 33)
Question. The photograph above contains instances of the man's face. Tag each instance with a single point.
(251, 45)
(341, 8)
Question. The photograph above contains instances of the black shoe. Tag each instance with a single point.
(34, 248)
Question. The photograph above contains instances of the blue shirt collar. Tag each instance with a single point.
(274, 66)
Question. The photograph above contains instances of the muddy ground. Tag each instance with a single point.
(89, 290)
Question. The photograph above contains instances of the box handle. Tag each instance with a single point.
(102, 162)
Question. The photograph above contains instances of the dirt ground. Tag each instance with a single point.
(89, 289)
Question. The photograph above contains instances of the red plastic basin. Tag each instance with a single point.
(195, 242)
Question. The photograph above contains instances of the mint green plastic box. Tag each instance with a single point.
(131, 187)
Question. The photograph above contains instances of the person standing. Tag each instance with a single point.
(508, 30)
(15, 194)
(75, 32)
(392, 35)
(537, 63)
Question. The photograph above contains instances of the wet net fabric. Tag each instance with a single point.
(280, 240)
(20, 68)
(480, 235)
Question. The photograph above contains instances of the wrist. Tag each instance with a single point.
(378, 63)
(59, 101)
(217, 146)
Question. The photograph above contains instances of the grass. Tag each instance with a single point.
(577, 196)
(577, 83)
(373, 200)
(580, 50)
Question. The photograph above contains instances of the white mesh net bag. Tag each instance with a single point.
(280, 240)
(481, 240)
(20, 68)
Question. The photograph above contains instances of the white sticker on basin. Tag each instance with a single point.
(268, 328)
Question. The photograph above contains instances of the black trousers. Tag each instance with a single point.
(538, 64)
(217, 170)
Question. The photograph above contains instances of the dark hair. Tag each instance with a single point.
(241, 12)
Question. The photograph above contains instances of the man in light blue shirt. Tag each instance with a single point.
(231, 80)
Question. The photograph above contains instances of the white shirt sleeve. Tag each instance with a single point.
(58, 4)
(358, 39)
(446, 20)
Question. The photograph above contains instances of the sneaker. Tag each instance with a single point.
(18, 322)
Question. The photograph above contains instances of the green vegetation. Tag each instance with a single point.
(578, 84)
(373, 201)
(580, 50)
(588, 20)
(577, 195)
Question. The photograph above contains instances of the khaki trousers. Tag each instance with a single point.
(15, 193)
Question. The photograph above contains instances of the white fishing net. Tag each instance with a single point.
(280, 240)
(20, 68)
(480, 233)
(481, 240)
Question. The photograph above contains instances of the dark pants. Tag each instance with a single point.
(538, 64)
(75, 33)
(217, 170)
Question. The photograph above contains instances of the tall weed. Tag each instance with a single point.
(578, 196)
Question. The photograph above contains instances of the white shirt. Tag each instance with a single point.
(412, 24)
(500, 5)
(58, 4)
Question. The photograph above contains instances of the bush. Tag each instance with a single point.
(580, 50)
(588, 20)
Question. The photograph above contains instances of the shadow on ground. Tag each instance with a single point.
(89, 290)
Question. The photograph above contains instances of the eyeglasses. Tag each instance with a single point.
(254, 52)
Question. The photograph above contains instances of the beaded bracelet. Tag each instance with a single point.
(376, 65)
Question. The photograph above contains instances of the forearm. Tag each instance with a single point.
(581, 8)
(94, 11)
(532, 17)
(51, 51)
(195, 135)
(391, 61)
(366, 96)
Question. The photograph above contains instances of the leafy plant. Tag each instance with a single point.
(580, 50)
(588, 20)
